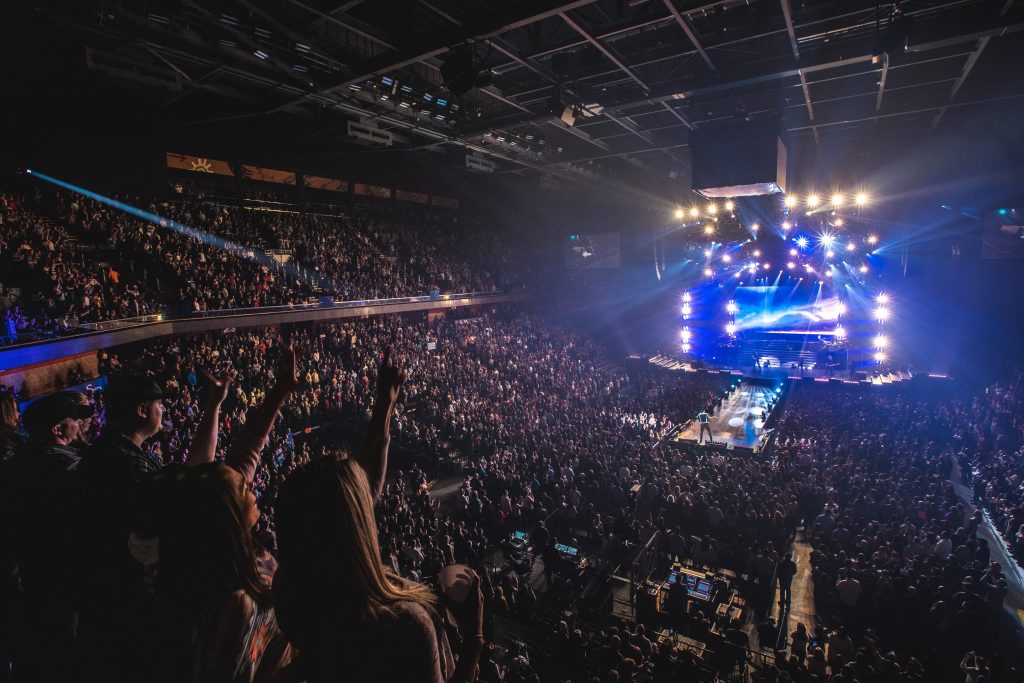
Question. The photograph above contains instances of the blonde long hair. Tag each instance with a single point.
(330, 566)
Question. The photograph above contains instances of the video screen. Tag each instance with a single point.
(1003, 234)
(796, 309)
(597, 250)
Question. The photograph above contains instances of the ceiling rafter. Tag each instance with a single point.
(972, 59)
(691, 33)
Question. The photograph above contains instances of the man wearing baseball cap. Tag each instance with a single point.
(115, 471)
(35, 497)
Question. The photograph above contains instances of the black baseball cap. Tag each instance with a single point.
(129, 390)
(45, 412)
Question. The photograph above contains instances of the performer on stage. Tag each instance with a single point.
(703, 418)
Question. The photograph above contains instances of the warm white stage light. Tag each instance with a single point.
(729, 205)
(707, 252)
(880, 357)
(881, 342)
(709, 230)
(694, 211)
(687, 298)
(757, 253)
(830, 254)
(791, 265)
(790, 202)
(827, 239)
(881, 314)
(730, 329)
(680, 214)
(793, 252)
(813, 200)
(727, 258)
(863, 269)
(861, 199)
(839, 222)
(872, 239)
(755, 227)
(882, 298)
(712, 209)
(708, 272)
(837, 200)
(786, 225)
(851, 246)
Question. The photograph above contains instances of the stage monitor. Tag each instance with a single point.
(1003, 233)
(786, 309)
(521, 536)
(566, 549)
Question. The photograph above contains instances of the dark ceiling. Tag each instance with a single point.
(641, 74)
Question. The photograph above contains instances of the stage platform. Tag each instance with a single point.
(737, 423)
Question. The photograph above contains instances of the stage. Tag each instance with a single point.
(738, 421)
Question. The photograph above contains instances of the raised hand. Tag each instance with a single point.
(389, 379)
(217, 386)
(287, 371)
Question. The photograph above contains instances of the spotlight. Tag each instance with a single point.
(731, 307)
(861, 199)
(841, 309)
(712, 209)
(766, 266)
(839, 222)
(694, 212)
(707, 252)
(828, 273)
(840, 332)
(880, 357)
(686, 334)
(802, 242)
(786, 225)
(837, 200)
(686, 348)
(757, 253)
(881, 342)
(793, 252)
(872, 239)
(827, 239)
(881, 314)
(830, 254)
(882, 298)
(727, 258)
(813, 200)
(808, 268)
(680, 214)
(708, 272)
(863, 269)
(790, 202)
(686, 310)
(851, 246)
(687, 298)
(755, 227)
(709, 230)
(791, 265)
(729, 205)
(730, 329)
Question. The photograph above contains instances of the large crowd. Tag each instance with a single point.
(68, 259)
(225, 510)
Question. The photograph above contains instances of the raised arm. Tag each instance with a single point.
(204, 443)
(244, 453)
(373, 456)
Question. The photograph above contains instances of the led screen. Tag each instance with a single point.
(785, 309)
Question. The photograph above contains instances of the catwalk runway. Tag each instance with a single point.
(738, 420)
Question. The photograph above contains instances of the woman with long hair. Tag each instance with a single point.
(214, 603)
(11, 437)
(350, 619)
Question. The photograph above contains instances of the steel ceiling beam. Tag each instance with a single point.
(810, 109)
(575, 26)
(684, 24)
(787, 13)
(808, 68)
(881, 82)
(972, 59)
